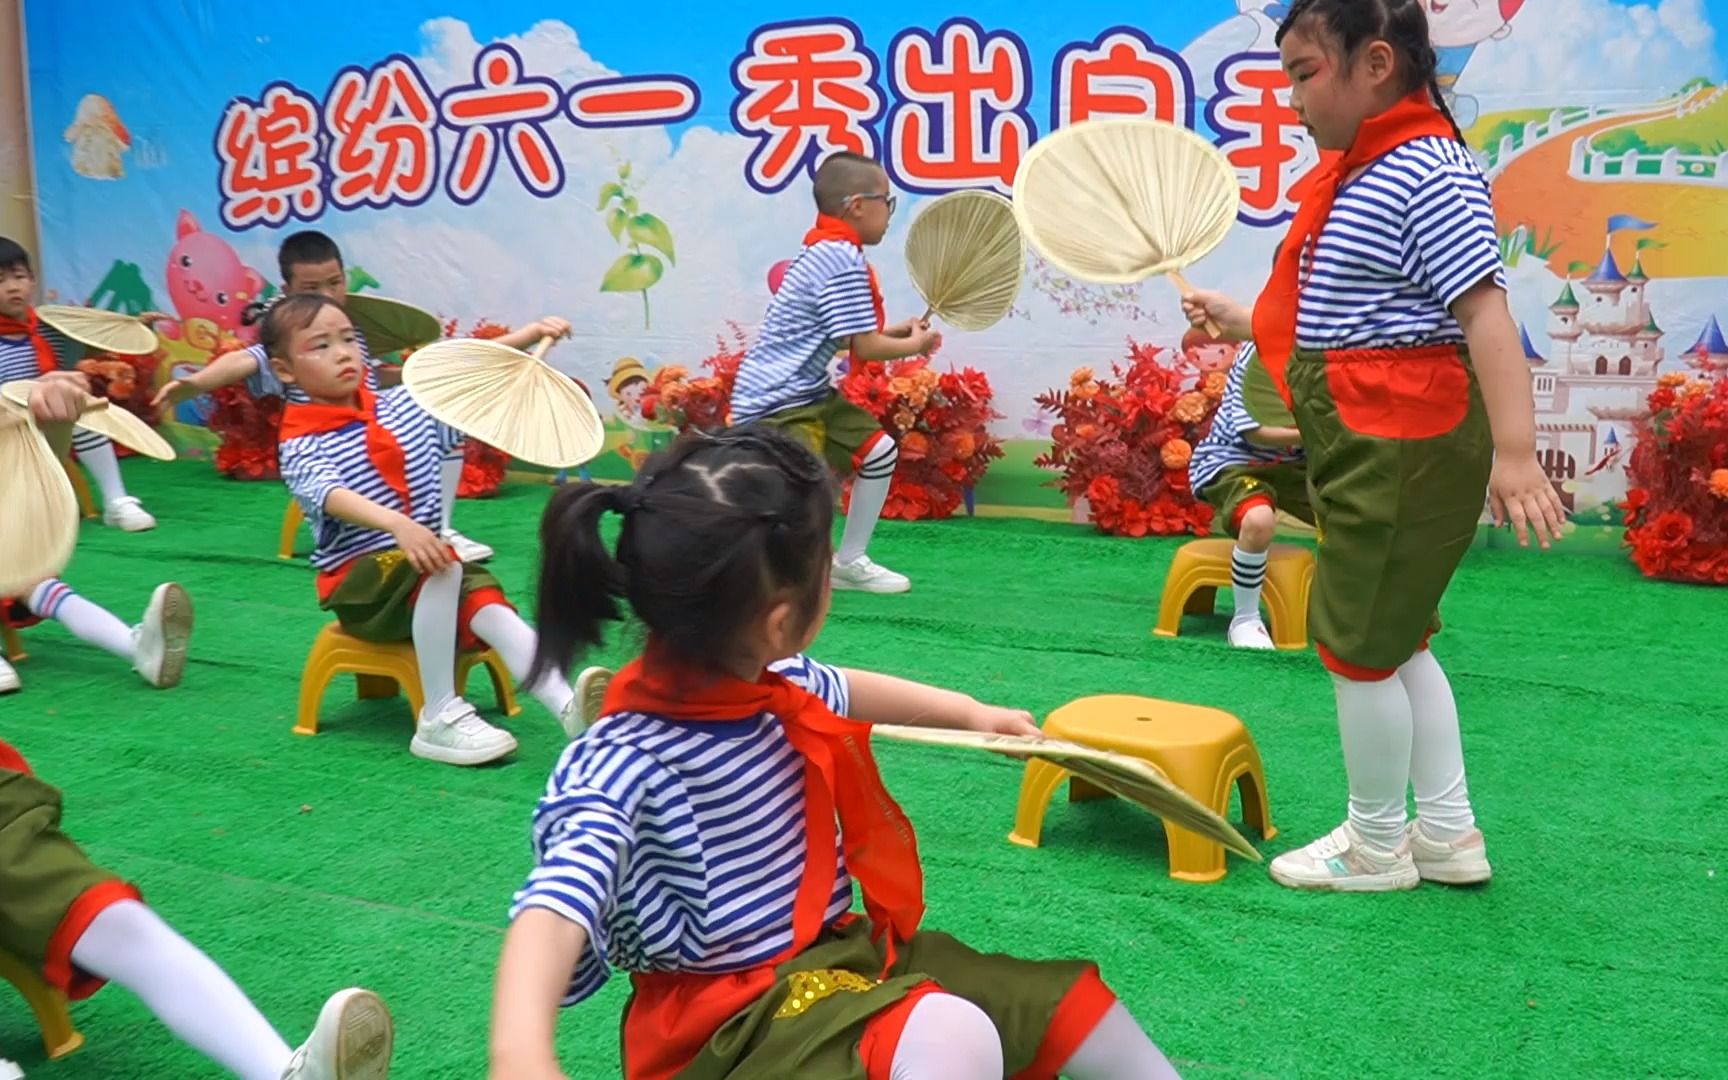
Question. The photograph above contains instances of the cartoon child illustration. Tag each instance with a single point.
(627, 384)
(1457, 27)
(98, 139)
(1203, 354)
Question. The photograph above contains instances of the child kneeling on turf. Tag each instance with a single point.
(365, 468)
(704, 835)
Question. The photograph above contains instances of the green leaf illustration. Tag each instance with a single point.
(608, 192)
(630, 204)
(632, 273)
(624, 171)
(616, 220)
(650, 230)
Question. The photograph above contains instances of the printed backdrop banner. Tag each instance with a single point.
(640, 169)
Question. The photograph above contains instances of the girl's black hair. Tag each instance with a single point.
(1402, 24)
(715, 527)
(280, 316)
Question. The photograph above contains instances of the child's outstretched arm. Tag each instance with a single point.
(884, 699)
(527, 335)
(541, 948)
(1518, 489)
(910, 338)
(225, 370)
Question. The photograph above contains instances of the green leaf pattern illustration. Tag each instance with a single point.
(649, 248)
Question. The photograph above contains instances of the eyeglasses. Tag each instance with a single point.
(888, 200)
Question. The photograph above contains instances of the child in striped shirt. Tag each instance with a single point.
(365, 469)
(829, 300)
(1385, 327)
(690, 836)
(310, 262)
(29, 348)
(1249, 472)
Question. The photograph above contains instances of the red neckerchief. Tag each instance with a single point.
(839, 775)
(832, 228)
(305, 418)
(11, 759)
(1414, 117)
(31, 326)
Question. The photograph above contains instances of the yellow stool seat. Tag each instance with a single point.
(81, 488)
(1202, 567)
(1203, 751)
(384, 671)
(59, 1037)
(291, 520)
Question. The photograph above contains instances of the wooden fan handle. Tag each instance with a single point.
(1183, 287)
(540, 350)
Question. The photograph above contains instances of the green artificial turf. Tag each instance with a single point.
(1595, 723)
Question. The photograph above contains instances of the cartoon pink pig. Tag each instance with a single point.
(209, 285)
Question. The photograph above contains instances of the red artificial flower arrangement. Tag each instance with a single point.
(1677, 505)
(941, 423)
(127, 381)
(702, 403)
(1123, 444)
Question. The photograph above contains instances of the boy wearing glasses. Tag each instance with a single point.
(829, 300)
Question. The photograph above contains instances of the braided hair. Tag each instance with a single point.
(1402, 24)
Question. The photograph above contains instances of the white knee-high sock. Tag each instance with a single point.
(96, 453)
(1436, 750)
(450, 481)
(1374, 726)
(947, 1038)
(129, 945)
(1247, 577)
(54, 599)
(434, 625)
(869, 492)
(1118, 1049)
(504, 630)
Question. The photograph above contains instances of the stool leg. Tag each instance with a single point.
(1202, 601)
(312, 685)
(1193, 857)
(1287, 587)
(501, 688)
(291, 519)
(59, 1037)
(374, 687)
(1039, 782)
(1081, 791)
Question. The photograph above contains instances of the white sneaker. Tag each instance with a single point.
(352, 1040)
(1341, 862)
(457, 736)
(9, 678)
(467, 550)
(1463, 861)
(128, 514)
(862, 575)
(1250, 634)
(159, 641)
(9, 1070)
(586, 702)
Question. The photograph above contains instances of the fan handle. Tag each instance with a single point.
(1182, 285)
(540, 350)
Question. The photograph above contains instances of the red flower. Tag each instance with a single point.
(1677, 502)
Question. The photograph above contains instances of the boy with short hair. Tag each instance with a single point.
(30, 348)
(829, 300)
(310, 262)
(1249, 472)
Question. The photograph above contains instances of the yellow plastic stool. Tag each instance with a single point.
(81, 488)
(384, 671)
(291, 520)
(59, 1037)
(10, 643)
(1202, 567)
(1203, 751)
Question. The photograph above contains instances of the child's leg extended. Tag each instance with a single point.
(497, 624)
(156, 647)
(96, 453)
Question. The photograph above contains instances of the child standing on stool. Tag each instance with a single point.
(310, 262)
(1249, 471)
(690, 836)
(30, 349)
(365, 469)
(829, 300)
(1385, 327)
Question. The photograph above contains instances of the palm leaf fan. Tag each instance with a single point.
(104, 418)
(391, 325)
(967, 257)
(40, 523)
(1260, 396)
(507, 398)
(1115, 201)
(1129, 778)
(103, 331)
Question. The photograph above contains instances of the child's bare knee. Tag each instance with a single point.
(1257, 527)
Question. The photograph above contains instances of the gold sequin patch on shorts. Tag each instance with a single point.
(809, 987)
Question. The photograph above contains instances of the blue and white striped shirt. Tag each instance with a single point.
(315, 465)
(823, 300)
(265, 383)
(18, 356)
(679, 846)
(1225, 443)
(1404, 240)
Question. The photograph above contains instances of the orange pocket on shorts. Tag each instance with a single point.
(1399, 393)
